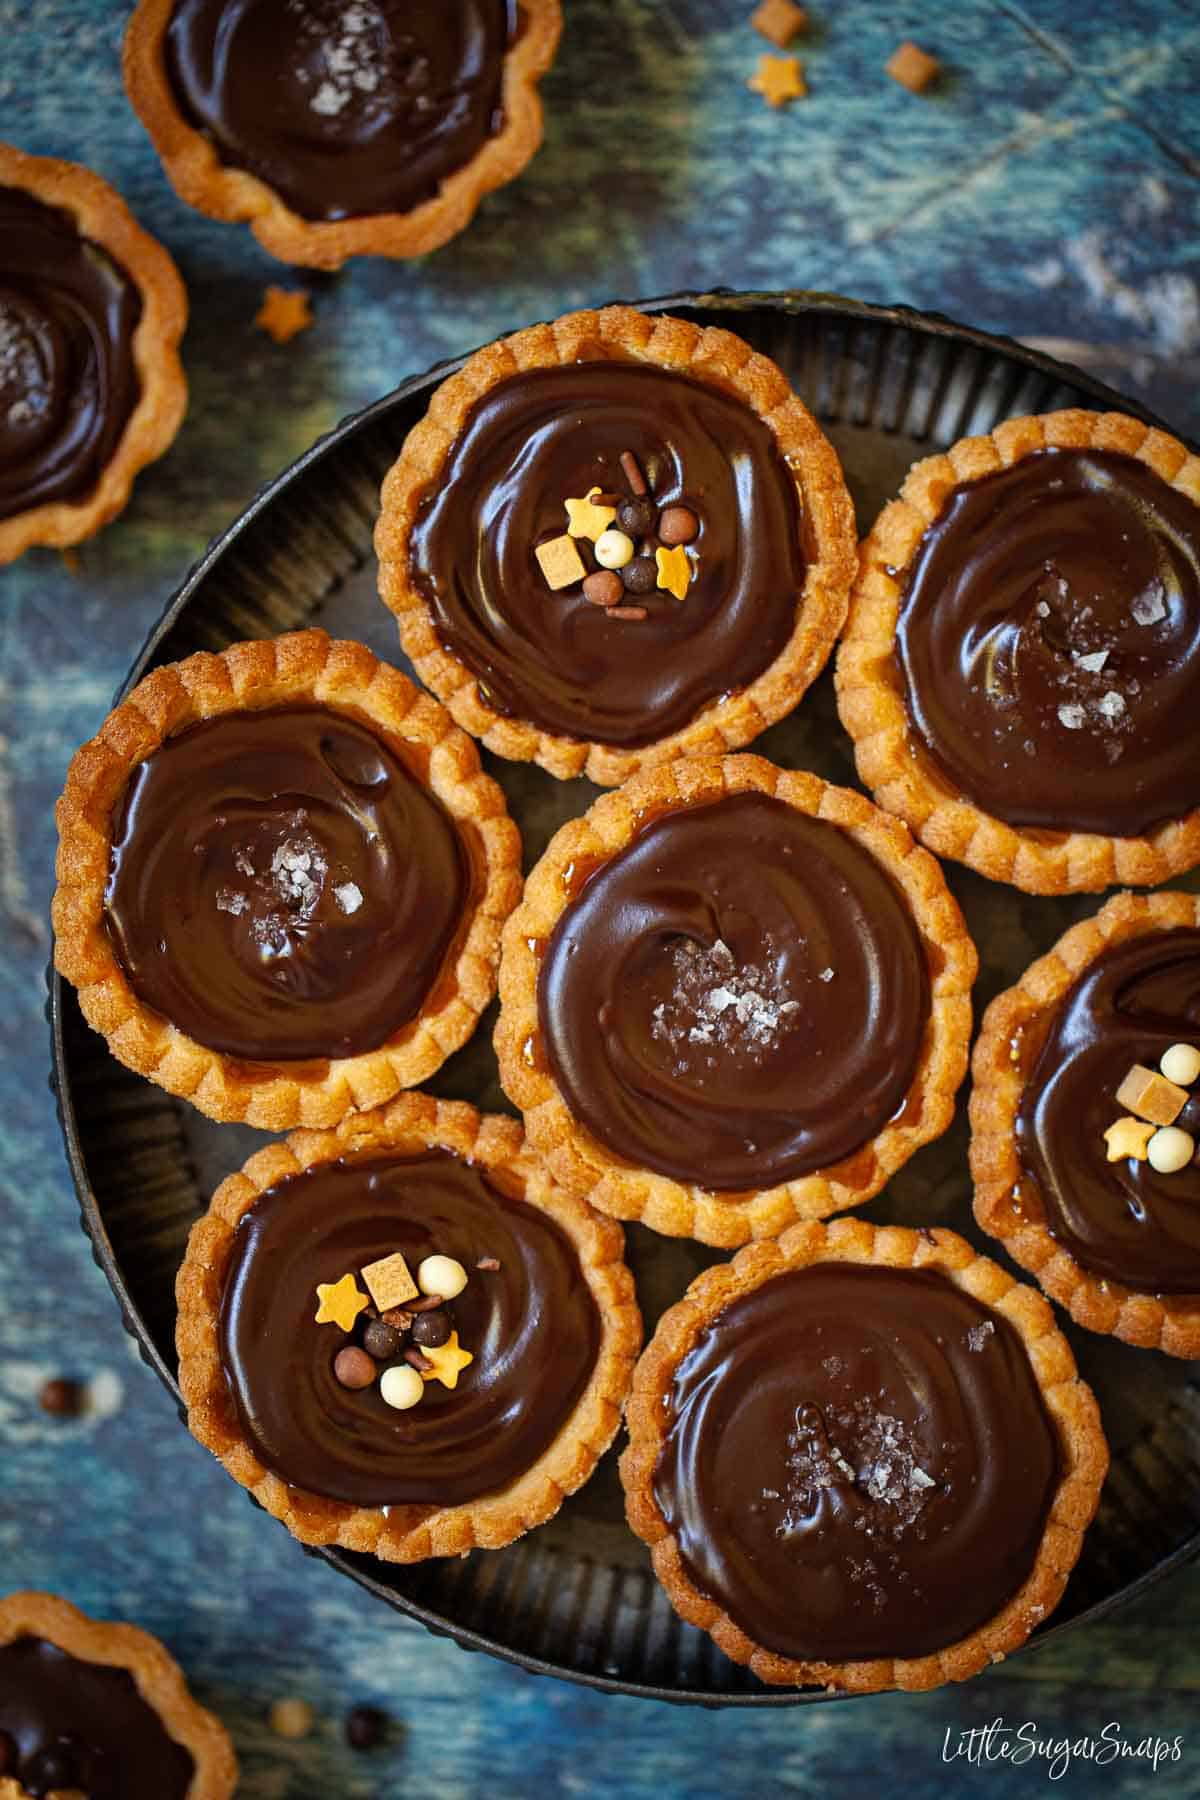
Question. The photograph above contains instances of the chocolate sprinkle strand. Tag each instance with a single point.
(417, 1361)
(632, 471)
(488, 1262)
(627, 612)
(426, 1303)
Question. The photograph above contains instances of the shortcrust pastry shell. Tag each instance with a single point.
(410, 1533)
(707, 354)
(577, 1159)
(156, 1674)
(1008, 1203)
(893, 761)
(196, 171)
(249, 677)
(104, 219)
(1070, 1403)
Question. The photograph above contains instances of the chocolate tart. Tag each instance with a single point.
(594, 409)
(335, 129)
(678, 952)
(548, 1319)
(101, 1709)
(1019, 671)
(91, 387)
(281, 881)
(1114, 1241)
(862, 1458)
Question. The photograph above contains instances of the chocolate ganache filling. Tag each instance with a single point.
(344, 107)
(737, 998)
(858, 1464)
(1119, 1219)
(84, 1726)
(281, 887)
(531, 1326)
(67, 378)
(1049, 636)
(555, 658)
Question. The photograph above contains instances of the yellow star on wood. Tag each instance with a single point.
(283, 313)
(779, 79)
(674, 570)
(447, 1359)
(1128, 1137)
(340, 1302)
(586, 519)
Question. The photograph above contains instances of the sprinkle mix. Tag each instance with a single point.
(619, 548)
(408, 1337)
(1156, 1097)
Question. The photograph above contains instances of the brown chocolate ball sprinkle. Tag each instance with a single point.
(604, 588)
(353, 1368)
(366, 1727)
(62, 1398)
(638, 517)
(431, 1328)
(678, 525)
(382, 1341)
(641, 575)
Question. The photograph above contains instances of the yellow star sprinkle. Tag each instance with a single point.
(447, 1360)
(674, 570)
(1128, 1137)
(779, 79)
(340, 1302)
(283, 313)
(586, 519)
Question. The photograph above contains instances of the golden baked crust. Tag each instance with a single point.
(198, 175)
(1068, 1400)
(346, 677)
(1009, 1040)
(157, 1675)
(893, 762)
(103, 217)
(619, 333)
(578, 1160)
(410, 1533)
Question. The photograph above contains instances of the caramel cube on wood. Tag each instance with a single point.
(560, 562)
(1151, 1096)
(913, 67)
(389, 1282)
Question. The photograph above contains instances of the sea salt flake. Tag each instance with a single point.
(348, 896)
(919, 1479)
(825, 975)
(1148, 609)
(1112, 704)
(1093, 662)
(1073, 717)
(978, 1335)
(1042, 609)
(329, 100)
(242, 862)
(230, 901)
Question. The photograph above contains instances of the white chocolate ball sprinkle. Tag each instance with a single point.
(613, 549)
(1181, 1064)
(401, 1386)
(441, 1275)
(1170, 1150)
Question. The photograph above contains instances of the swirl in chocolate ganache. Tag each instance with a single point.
(554, 658)
(1121, 1219)
(344, 107)
(859, 1463)
(737, 998)
(531, 1326)
(84, 1726)
(281, 887)
(1049, 636)
(68, 383)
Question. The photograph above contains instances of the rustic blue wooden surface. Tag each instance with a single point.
(1052, 190)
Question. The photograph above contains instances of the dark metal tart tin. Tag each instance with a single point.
(577, 1598)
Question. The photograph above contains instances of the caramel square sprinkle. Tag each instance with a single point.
(560, 562)
(389, 1282)
(1151, 1096)
(913, 67)
(779, 21)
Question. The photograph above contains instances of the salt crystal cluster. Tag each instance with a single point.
(20, 370)
(714, 1002)
(1091, 700)
(346, 63)
(856, 1447)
